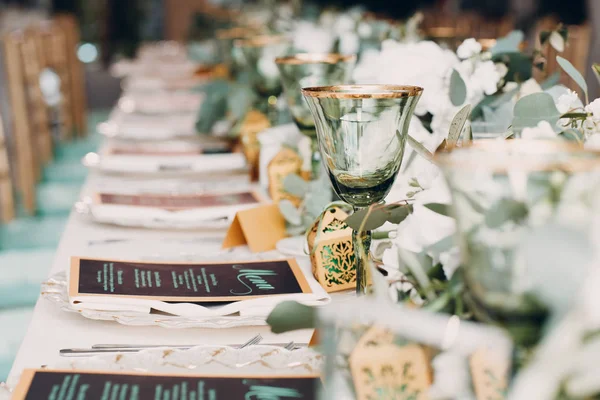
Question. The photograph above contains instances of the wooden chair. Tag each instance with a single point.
(70, 28)
(52, 51)
(576, 51)
(39, 111)
(20, 129)
(7, 200)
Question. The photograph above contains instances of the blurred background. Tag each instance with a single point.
(113, 29)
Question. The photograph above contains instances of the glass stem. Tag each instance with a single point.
(272, 112)
(315, 158)
(361, 241)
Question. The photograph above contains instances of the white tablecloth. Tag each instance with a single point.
(52, 329)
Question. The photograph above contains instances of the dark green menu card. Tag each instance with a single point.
(209, 282)
(92, 385)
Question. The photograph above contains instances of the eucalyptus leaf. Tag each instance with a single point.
(551, 81)
(457, 125)
(398, 213)
(573, 73)
(573, 135)
(534, 108)
(439, 208)
(295, 185)
(444, 244)
(366, 219)
(415, 266)
(315, 203)
(458, 89)
(290, 212)
(519, 65)
(508, 44)
(379, 215)
(505, 210)
(290, 316)
(419, 148)
(557, 41)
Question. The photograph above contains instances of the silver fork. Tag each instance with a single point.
(129, 348)
(290, 346)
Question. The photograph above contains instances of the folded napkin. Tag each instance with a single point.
(254, 307)
(150, 127)
(162, 102)
(153, 217)
(145, 164)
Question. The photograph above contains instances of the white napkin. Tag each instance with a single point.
(151, 127)
(149, 217)
(262, 306)
(161, 102)
(198, 164)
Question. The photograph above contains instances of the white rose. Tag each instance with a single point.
(543, 130)
(594, 108)
(468, 48)
(312, 39)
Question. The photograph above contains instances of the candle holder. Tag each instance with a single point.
(362, 132)
(305, 70)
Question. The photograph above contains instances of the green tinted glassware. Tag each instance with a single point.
(307, 70)
(362, 132)
(260, 53)
(501, 190)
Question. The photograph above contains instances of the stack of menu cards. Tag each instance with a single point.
(191, 289)
(92, 385)
(173, 211)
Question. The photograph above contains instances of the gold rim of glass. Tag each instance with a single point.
(315, 58)
(237, 32)
(363, 91)
(580, 159)
(261, 41)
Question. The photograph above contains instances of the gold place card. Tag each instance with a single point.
(285, 162)
(97, 385)
(184, 282)
(331, 251)
(175, 202)
(260, 228)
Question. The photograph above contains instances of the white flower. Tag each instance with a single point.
(423, 64)
(528, 87)
(468, 48)
(567, 101)
(594, 108)
(543, 130)
(450, 261)
(313, 39)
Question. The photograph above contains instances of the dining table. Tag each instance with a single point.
(52, 329)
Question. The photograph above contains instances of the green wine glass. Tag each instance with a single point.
(362, 131)
(311, 69)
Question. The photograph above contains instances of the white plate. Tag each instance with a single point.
(213, 218)
(271, 360)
